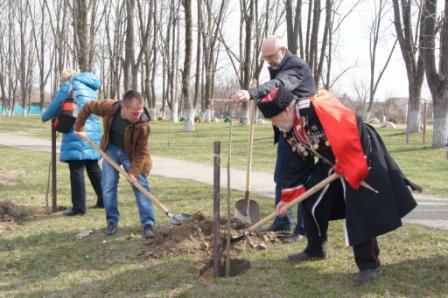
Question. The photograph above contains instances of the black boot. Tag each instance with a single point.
(303, 256)
(367, 275)
(71, 212)
(111, 228)
(99, 204)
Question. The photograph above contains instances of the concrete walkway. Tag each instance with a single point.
(432, 211)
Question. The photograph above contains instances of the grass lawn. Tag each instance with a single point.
(41, 256)
(420, 163)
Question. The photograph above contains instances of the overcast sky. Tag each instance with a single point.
(353, 51)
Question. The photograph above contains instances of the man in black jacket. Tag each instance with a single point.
(294, 74)
(371, 194)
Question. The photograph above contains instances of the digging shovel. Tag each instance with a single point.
(246, 209)
(288, 206)
(175, 219)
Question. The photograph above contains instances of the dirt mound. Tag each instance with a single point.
(12, 212)
(194, 236)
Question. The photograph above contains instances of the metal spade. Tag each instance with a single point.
(246, 209)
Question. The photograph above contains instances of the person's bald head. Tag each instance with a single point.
(273, 50)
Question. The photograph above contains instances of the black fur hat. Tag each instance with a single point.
(275, 102)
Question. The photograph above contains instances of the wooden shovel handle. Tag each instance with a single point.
(125, 174)
(252, 112)
(297, 200)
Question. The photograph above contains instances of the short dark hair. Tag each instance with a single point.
(132, 95)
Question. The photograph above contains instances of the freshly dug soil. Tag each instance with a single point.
(194, 237)
(10, 212)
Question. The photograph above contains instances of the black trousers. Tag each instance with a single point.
(366, 253)
(77, 182)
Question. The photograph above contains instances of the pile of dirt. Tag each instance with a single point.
(10, 212)
(194, 237)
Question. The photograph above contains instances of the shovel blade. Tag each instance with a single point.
(239, 237)
(251, 215)
(179, 219)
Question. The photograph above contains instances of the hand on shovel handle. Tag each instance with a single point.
(297, 200)
(132, 179)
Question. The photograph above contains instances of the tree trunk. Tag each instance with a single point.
(129, 48)
(188, 107)
(80, 26)
(412, 58)
(198, 56)
(440, 123)
(437, 81)
(414, 111)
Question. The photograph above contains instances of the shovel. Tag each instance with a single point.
(175, 219)
(288, 206)
(247, 210)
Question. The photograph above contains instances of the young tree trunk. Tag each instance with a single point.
(374, 38)
(188, 107)
(153, 109)
(198, 55)
(293, 25)
(129, 59)
(173, 69)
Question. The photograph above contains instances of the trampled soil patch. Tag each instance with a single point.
(8, 178)
(194, 237)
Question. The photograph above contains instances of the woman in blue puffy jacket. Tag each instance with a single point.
(77, 153)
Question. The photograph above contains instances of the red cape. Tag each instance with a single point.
(341, 130)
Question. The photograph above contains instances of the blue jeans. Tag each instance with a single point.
(281, 165)
(109, 182)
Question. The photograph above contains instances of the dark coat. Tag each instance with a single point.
(367, 214)
(294, 74)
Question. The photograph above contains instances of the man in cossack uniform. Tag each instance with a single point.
(327, 137)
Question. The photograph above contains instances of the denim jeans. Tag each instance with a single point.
(109, 182)
(281, 165)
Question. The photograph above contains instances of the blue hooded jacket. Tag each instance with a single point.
(84, 86)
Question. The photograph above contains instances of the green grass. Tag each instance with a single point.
(420, 163)
(41, 257)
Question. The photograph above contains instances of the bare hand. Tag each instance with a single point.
(322, 92)
(280, 210)
(132, 179)
(80, 134)
(241, 95)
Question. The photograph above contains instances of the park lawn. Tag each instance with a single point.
(41, 256)
(420, 163)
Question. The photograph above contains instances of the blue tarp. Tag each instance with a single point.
(18, 110)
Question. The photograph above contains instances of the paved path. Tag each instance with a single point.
(432, 211)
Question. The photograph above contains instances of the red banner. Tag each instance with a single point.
(341, 130)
